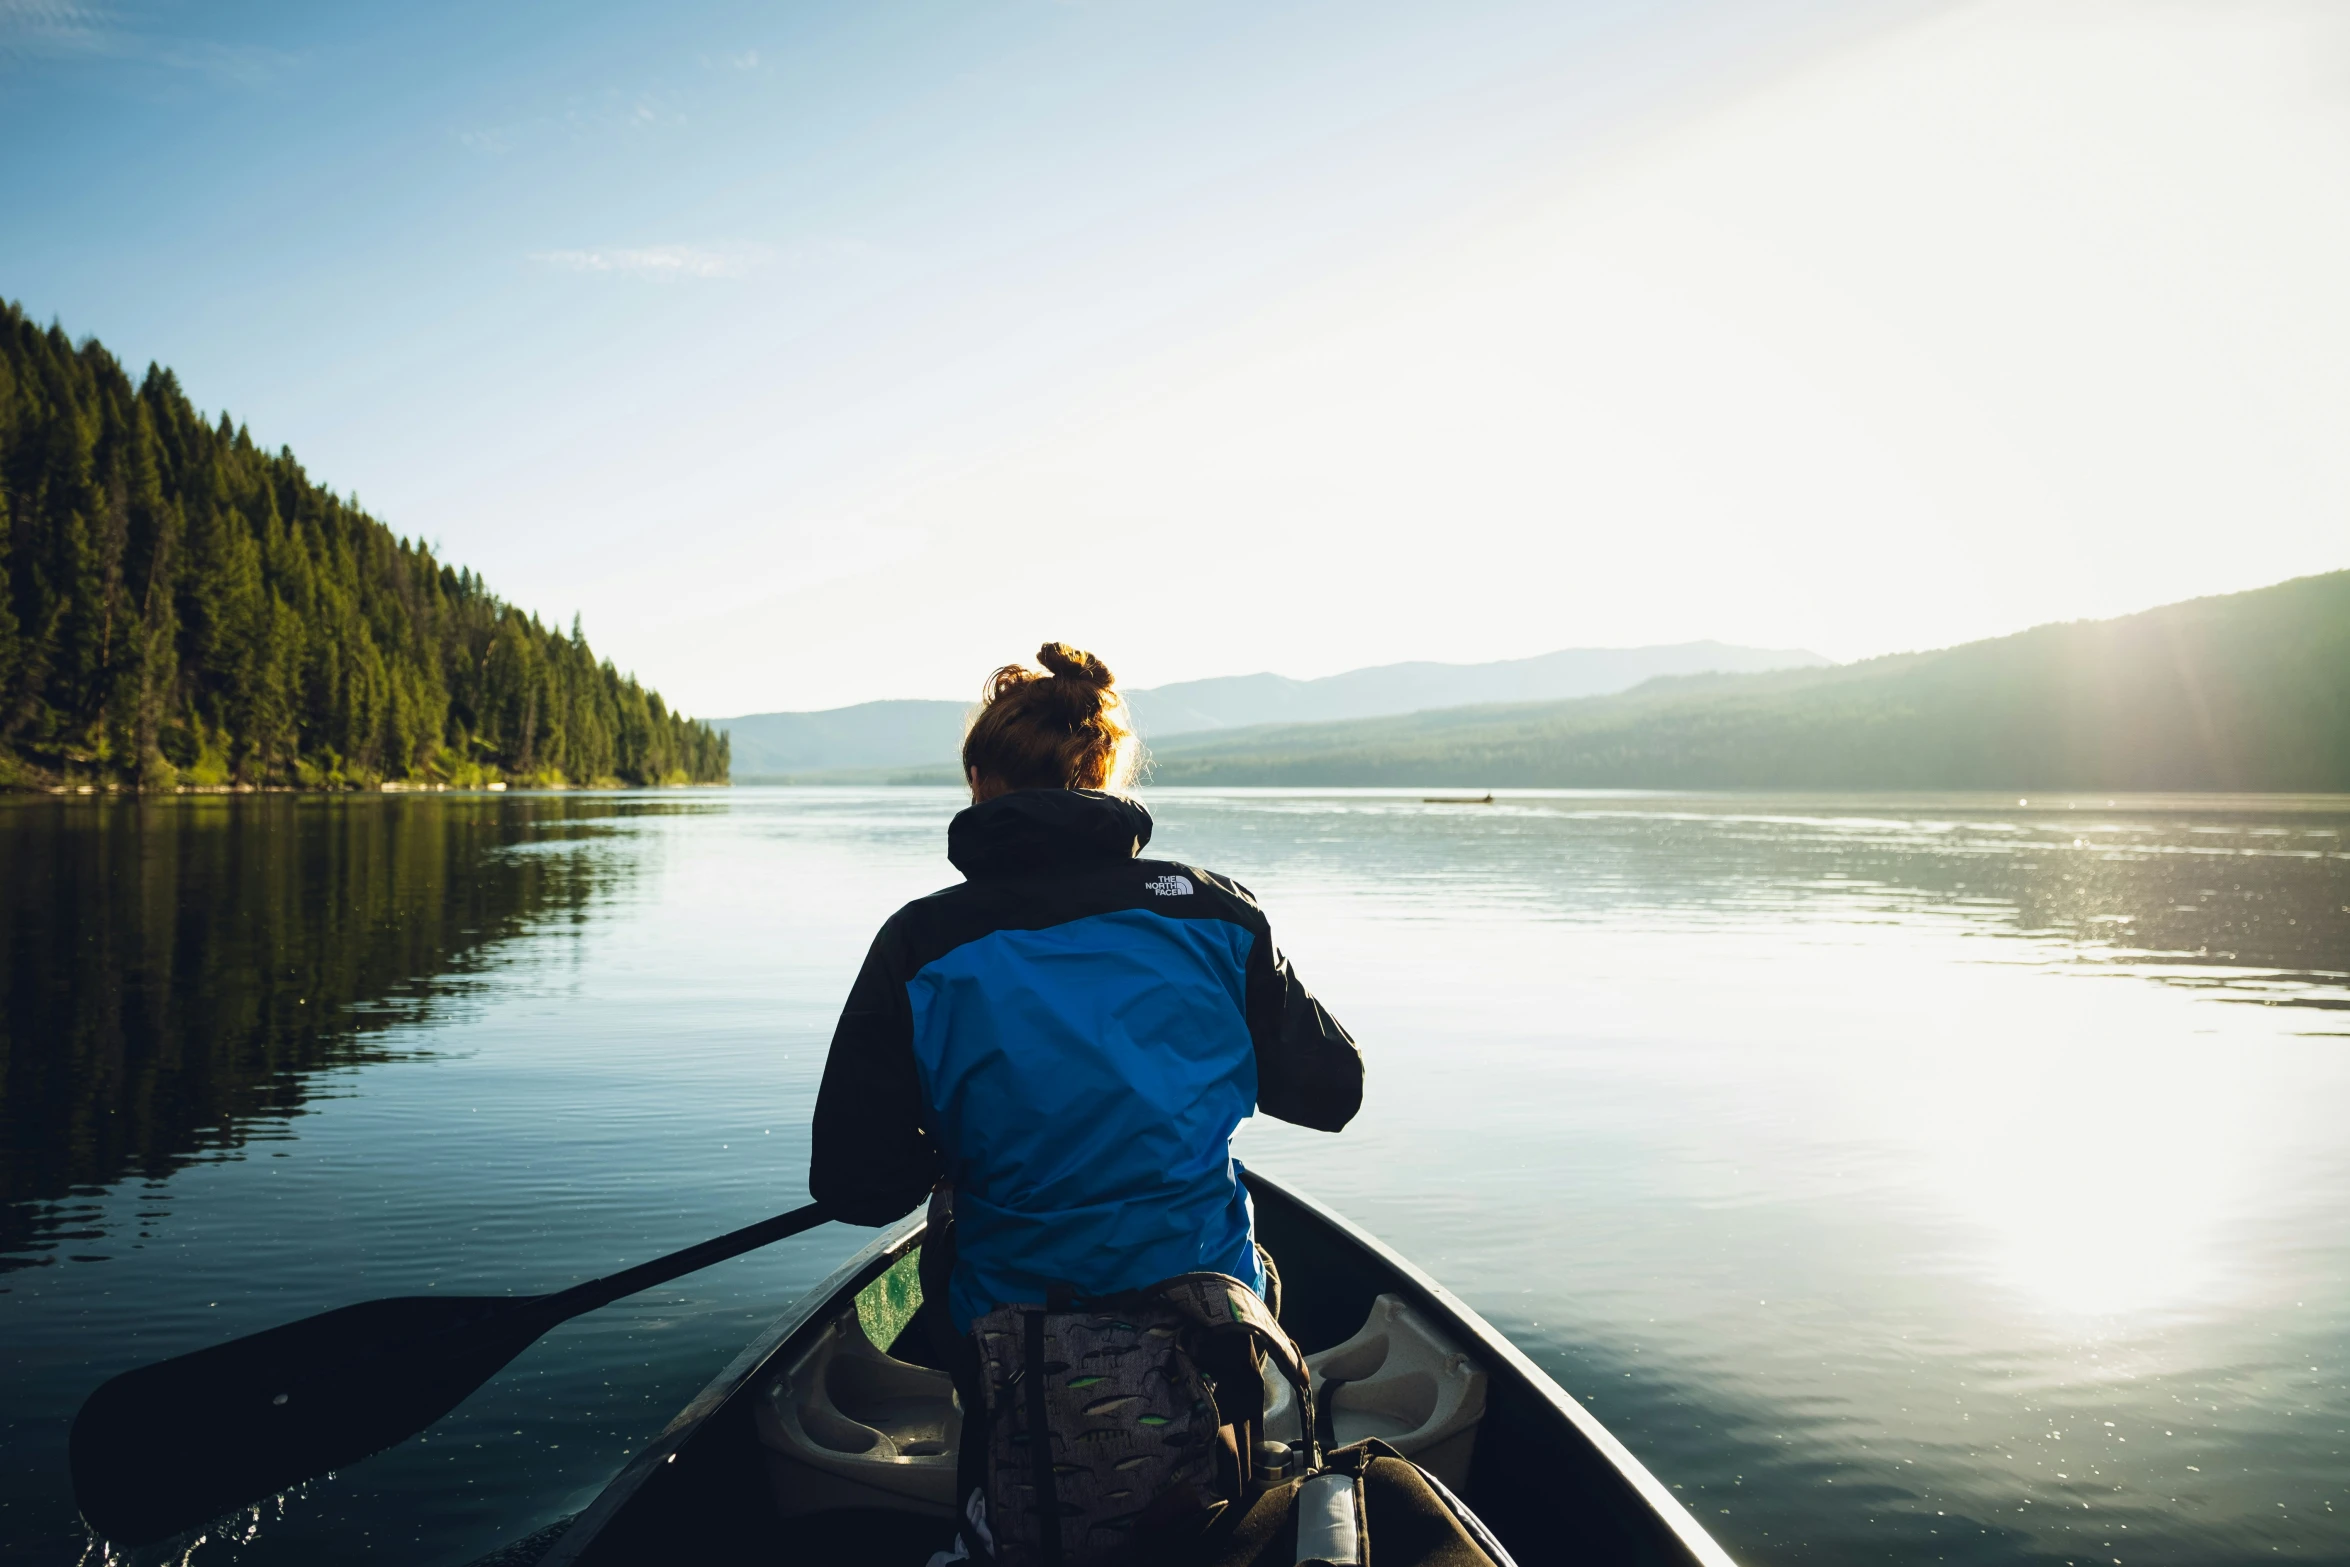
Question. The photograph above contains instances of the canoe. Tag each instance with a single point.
(723, 1482)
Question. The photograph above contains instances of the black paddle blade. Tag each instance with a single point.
(170, 1447)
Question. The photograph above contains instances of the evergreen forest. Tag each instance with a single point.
(180, 608)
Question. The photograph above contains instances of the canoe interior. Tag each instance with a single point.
(1552, 1484)
(1538, 1478)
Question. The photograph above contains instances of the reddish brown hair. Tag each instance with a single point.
(1064, 727)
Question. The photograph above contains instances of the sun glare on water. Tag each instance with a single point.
(2103, 1169)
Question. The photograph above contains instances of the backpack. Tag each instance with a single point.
(1129, 1421)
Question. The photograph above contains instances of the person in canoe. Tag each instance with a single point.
(1056, 1054)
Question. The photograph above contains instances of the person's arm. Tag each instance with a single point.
(870, 1158)
(1308, 1069)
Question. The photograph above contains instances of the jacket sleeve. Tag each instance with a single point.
(1308, 1069)
(871, 1158)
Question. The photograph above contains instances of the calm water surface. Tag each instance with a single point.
(1904, 1179)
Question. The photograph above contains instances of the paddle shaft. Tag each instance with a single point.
(566, 1304)
(542, 1312)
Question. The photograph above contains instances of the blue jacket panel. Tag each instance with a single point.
(1085, 1081)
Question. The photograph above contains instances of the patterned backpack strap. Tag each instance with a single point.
(1220, 1303)
(1047, 1503)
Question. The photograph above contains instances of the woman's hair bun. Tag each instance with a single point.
(1075, 664)
(1064, 729)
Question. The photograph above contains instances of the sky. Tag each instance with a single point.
(819, 353)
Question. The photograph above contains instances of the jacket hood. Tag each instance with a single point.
(1031, 830)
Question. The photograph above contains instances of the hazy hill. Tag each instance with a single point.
(1238, 700)
(884, 735)
(870, 734)
(180, 606)
(2247, 691)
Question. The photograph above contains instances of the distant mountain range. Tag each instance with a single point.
(2250, 691)
(881, 736)
(1236, 701)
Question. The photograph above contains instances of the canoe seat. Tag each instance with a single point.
(845, 1425)
(1397, 1379)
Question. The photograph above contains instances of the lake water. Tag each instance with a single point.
(1903, 1179)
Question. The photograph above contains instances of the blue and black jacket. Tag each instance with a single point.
(1070, 1038)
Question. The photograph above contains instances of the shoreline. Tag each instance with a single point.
(27, 790)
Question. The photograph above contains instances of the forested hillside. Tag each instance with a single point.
(180, 607)
(2250, 691)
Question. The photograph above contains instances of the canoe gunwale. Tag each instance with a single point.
(817, 1305)
(821, 1303)
(1490, 1342)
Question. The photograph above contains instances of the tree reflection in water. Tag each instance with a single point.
(176, 973)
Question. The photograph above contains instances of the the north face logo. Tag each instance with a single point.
(1171, 886)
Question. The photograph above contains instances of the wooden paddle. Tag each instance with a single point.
(172, 1446)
